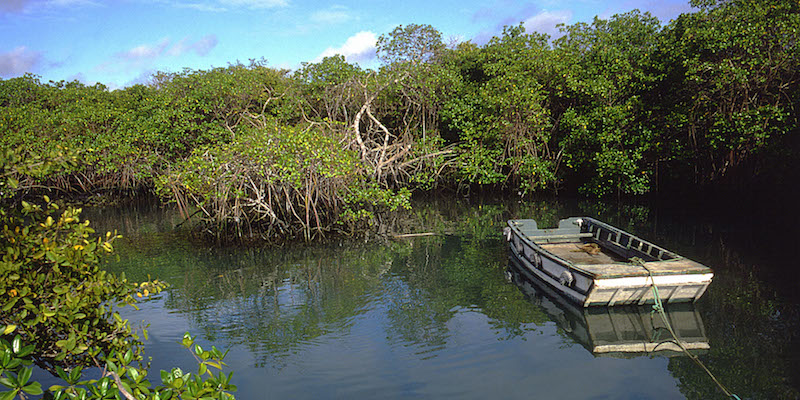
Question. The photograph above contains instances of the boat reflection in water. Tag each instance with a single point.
(626, 331)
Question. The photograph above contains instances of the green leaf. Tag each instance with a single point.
(62, 374)
(25, 351)
(10, 304)
(70, 345)
(34, 388)
(16, 344)
(7, 382)
(24, 376)
(8, 395)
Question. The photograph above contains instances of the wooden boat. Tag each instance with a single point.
(621, 332)
(596, 264)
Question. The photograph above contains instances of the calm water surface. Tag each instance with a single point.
(443, 317)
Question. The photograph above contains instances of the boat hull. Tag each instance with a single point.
(615, 331)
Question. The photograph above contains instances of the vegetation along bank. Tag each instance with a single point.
(623, 106)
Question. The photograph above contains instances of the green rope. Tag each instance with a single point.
(658, 307)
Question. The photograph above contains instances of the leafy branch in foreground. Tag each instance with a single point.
(118, 379)
(53, 289)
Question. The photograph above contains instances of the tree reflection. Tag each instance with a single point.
(275, 302)
(753, 334)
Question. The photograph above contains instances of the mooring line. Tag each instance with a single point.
(658, 306)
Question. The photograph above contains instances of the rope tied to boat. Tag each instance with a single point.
(658, 307)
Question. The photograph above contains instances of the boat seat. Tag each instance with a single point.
(559, 238)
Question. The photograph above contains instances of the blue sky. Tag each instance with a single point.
(121, 42)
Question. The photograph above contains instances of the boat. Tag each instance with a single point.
(595, 264)
(618, 332)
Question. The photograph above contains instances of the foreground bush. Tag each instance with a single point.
(53, 289)
(61, 306)
(118, 379)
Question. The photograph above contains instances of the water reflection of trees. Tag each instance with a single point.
(271, 301)
(275, 301)
(753, 333)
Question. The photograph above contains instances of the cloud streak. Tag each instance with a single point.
(144, 55)
(166, 47)
(201, 7)
(146, 51)
(255, 3)
(19, 61)
(332, 15)
(218, 6)
(201, 47)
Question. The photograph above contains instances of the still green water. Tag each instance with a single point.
(439, 316)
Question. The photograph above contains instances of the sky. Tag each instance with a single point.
(123, 42)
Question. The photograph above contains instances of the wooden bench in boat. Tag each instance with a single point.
(564, 237)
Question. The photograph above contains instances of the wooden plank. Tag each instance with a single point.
(547, 237)
(572, 253)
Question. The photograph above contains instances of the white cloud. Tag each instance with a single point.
(203, 46)
(359, 47)
(546, 21)
(19, 61)
(332, 15)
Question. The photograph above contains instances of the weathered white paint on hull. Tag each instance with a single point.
(586, 285)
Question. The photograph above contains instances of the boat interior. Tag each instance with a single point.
(589, 242)
(582, 252)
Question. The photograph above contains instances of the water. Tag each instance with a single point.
(438, 316)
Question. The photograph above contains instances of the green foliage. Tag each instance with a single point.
(326, 90)
(287, 180)
(19, 169)
(412, 43)
(127, 136)
(710, 96)
(118, 379)
(53, 289)
(606, 69)
(14, 363)
(733, 68)
(363, 200)
(499, 110)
